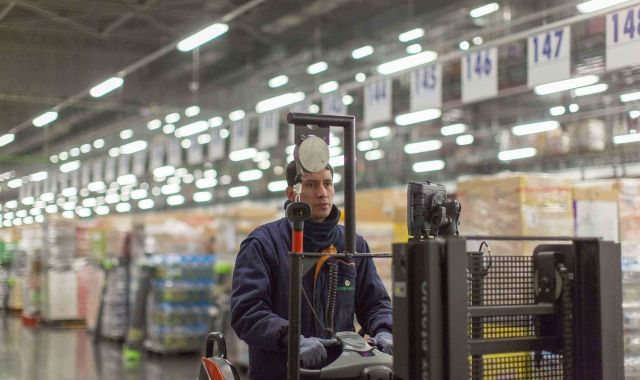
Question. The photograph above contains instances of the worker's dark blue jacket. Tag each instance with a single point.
(260, 296)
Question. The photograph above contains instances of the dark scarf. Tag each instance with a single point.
(319, 235)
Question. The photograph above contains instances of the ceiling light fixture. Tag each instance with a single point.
(238, 191)
(243, 154)
(154, 124)
(567, 84)
(317, 68)
(202, 196)
(464, 140)
(45, 118)
(205, 35)
(557, 111)
(418, 116)
(453, 129)
(407, 62)
(628, 97)
(539, 127)
(278, 81)
(516, 154)
(411, 35)
(277, 186)
(624, 139)
(590, 90)
(236, 115)
(379, 132)
(70, 166)
(7, 139)
(133, 147)
(106, 87)
(484, 10)
(362, 52)
(596, 5)
(278, 102)
(428, 166)
(192, 111)
(328, 87)
(192, 129)
(422, 146)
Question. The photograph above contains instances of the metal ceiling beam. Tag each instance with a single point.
(59, 19)
(7, 9)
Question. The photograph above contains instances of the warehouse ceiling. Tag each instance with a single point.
(52, 52)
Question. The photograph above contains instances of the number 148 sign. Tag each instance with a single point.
(623, 38)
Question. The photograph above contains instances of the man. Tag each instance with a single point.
(260, 294)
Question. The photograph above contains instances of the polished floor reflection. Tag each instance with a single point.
(62, 354)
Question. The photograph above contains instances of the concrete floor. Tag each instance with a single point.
(62, 354)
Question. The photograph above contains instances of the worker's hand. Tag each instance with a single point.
(384, 341)
(312, 352)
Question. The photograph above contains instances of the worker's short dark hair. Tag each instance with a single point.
(291, 172)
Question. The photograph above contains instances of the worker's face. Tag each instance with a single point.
(317, 191)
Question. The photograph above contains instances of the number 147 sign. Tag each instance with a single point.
(548, 56)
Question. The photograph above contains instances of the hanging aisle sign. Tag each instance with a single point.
(377, 102)
(480, 75)
(216, 146)
(268, 130)
(156, 155)
(426, 88)
(549, 56)
(194, 153)
(332, 104)
(138, 163)
(623, 38)
(174, 153)
(239, 135)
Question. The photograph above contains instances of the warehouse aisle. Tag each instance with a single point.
(61, 354)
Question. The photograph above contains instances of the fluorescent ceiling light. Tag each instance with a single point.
(168, 129)
(624, 139)
(21, 213)
(133, 147)
(96, 186)
(69, 192)
(7, 138)
(379, 132)
(464, 45)
(112, 198)
(175, 200)
(634, 114)
(173, 117)
(317, 68)
(53, 158)
(28, 220)
(336, 161)
(515, 154)
(411, 35)
(206, 183)
(85, 148)
(202, 196)
(35, 211)
(373, 155)
(154, 124)
(205, 35)
(360, 77)
(328, 87)
(419, 116)
(590, 90)
(47, 197)
(192, 111)
(596, 5)
(314, 108)
(236, 115)
(102, 210)
(250, 175)
(215, 121)
(146, 204)
(484, 10)
(366, 145)
(477, 40)
(126, 134)
(45, 119)
(18, 222)
(243, 154)
(164, 171)
(11, 204)
(106, 87)
(238, 191)
(362, 52)
(422, 146)
(567, 84)
(428, 166)
(14, 183)
(83, 212)
(127, 180)
(170, 188)
(123, 207)
(89, 202)
(290, 149)
(557, 111)
(453, 129)
(277, 186)
(99, 143)
(39, 176)
(224, 133)
(347, 100)
(407, 62)
(574, 108)
(335, 151)
(139, 194)
(629, 97)
(464, 140)
(278, 81)
(69, 206)
(414, 49)
(528, 129)
(28, 201)
(74, 152)
(70, 166)
(278, 102)
(192, 129)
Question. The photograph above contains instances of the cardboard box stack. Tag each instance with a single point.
(515, 204)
